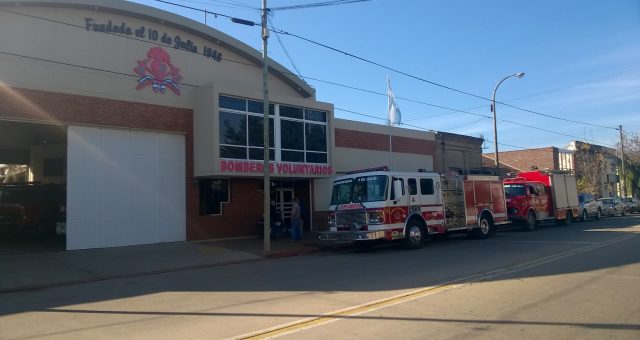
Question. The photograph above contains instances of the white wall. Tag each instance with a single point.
(124, 188)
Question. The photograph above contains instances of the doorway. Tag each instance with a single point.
(284, 201)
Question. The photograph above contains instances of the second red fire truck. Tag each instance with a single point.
(537, 196)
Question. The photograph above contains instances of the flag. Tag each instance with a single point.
(393, 109)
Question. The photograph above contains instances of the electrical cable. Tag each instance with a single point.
(138, 39)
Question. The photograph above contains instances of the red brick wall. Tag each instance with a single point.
(63, 108)
(380, 142)
(238, 218)
(523, 160)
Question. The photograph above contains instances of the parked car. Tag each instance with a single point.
(632, 204)
(31, 207)
(589, 207)
(612, 206)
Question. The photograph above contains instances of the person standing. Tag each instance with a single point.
(296, 220)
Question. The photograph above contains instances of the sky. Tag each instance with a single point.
(581, 60)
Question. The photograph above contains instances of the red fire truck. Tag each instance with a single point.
(536, 196)
(408, 206)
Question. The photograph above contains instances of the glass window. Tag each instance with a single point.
(316, 157)
(232, 103)
(258, 154)
(316, 137)
(233, 128)
(515, 190)
(369, 188)
(213, 193)
(291, 112)
(413, 186)
(318, 116)
(256, 131)
(233, 152)
(392, 196)
(426, 186)
(256, 107)
(292, 156)
(292, 135)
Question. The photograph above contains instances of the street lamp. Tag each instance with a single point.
(493, 109)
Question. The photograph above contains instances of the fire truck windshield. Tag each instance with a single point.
(515, 190)
(359, 189)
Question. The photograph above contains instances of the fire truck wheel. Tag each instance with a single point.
(530, 224)
(414, 235)
(569, 218)
(485, 227)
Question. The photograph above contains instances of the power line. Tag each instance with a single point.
(285, 50)
(276, 30)
(252, 65)
(431, 82)
(81, 66)
(418, 127)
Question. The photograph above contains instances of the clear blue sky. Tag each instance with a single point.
(581, 59)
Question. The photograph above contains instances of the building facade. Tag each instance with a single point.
(549, 158)
(154, 124)
(458, 153)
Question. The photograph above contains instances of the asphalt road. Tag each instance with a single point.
(578, 281)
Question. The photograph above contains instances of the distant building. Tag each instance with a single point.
(599, 165)
(548, 158)
(456, 152)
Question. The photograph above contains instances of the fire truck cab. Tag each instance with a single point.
(408, 206)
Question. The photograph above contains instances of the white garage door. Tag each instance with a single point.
(124, 188)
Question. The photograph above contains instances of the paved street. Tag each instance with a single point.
(578, 281)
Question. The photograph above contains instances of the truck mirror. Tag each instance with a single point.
(397, 189)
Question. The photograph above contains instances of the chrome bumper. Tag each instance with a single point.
(351, 236)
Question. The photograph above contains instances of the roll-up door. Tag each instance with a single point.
(124, 187)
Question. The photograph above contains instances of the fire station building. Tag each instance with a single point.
(152, 122)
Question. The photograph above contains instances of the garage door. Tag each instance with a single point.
(124, 188)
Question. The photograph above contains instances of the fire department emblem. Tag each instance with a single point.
(158, 71)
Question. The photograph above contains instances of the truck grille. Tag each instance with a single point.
(349, 217)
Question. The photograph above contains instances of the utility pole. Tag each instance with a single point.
(623, 183)
(265, 132)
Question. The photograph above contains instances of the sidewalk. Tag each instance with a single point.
(47, 269)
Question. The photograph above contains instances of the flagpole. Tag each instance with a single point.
(389, 121)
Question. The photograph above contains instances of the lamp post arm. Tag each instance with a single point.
(495, 123)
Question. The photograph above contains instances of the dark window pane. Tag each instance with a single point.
(213, 193)
(426, 186)
(53, 167)
(318, 116)
(233, 103)
(316, 137)
(292, 156)
(256, 131)
(292, 135)
(291, 112)
(413, 186)
(258, 154)
(257, 107)
(316, 157)
(233, 152)
(233, 128)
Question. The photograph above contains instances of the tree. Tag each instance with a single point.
(632, 164)
(589, 169)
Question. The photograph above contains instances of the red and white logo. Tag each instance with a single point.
(158, 71)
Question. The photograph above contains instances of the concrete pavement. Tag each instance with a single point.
(22, 271)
